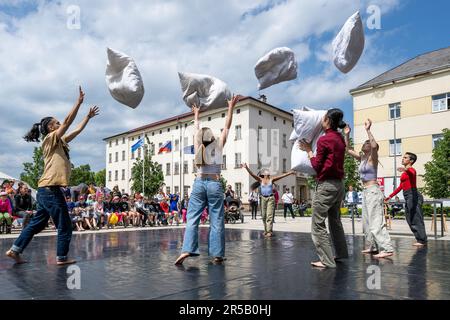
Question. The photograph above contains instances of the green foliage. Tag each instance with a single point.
(351, 172)
(100, 178)
(32, 171)
(223, 181)
(437, 171)
(82, 174)
(153, 176)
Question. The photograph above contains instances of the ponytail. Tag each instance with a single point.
(38, 129)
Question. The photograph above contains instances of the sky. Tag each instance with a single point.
(43, 61)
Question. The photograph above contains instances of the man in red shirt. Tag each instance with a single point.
(413, 211)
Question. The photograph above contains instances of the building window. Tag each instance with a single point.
(284, 121)
(139, 153)
(185, 190)
(260, 112)
(117, 142)
(176, 169)
(109, 176)
(284, 165)
(116, 175)
(123, 174)
(168, 169)
(168, 190)
(177, 189)
(223, 115)
(394, 111)
(275, 163)
(259, 133)
(237, 160)
(224, 162)
(153, 133)
(275, 137)
(238, 111)
(132, 139)
(238, 133)
(436, 139)
(123, 155)
(176, 128)
(117, 157)
(185, 167)
(110, 158)
(274, 118)
(238, 189)
(152, 149)
(168, 129)
(160, 131)
(284, 141)
(209, 118)
(395, 146)
(259, 161)
(123, 140)
(441, 102)
(177, 145)
(160, 145)
(194, 167)
(185, 142)
(110, 143)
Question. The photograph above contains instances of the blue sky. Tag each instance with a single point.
(42, 62)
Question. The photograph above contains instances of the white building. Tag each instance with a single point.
(258, 136)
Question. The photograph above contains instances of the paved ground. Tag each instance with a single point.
(138, 264)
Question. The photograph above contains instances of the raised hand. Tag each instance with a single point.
(244, 165)
(195, 109)
(347, 130)
(305, 146)
(81, 96)
(94, 111)
(368, 124)
(234, 100)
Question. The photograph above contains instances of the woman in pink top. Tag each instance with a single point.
(5, 212)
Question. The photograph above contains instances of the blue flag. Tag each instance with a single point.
(137, 145)
(189, 149)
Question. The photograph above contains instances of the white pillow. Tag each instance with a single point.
(349, 44)
(276, 66)
(293, 136)
(308, 123)
(300, 161)
(205, 91)
(123, 79)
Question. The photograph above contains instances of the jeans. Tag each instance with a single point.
(414, 215)
(286, 207)
(326, 204)
(51, 203)
(206, 193)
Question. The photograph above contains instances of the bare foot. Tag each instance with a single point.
(318, 264)
(181, 259)
(15, 256)
(368, 251)
(383, 254)
(62, 263)
(418, 244)
(218, 260)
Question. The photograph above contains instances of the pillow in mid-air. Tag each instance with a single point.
(123, 79)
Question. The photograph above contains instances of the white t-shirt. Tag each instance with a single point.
(350, 197)
(287, 198)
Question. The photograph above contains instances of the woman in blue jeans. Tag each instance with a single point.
(207, 190)
(57, 167)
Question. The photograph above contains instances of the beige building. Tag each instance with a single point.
(409, 106)
(258, 136)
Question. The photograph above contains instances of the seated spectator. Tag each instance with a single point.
(99, 212)
(173, 209)
(302, 208)
(79, 190)
(125, 210)
(83, 209)
(141, 210)
(116, 192)
(114, 210)
(23, 207)
(5, 213)
(396, 207)
(296, 207)
(184, 207)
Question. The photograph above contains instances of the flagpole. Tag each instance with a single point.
(173, 172)
(143, 165)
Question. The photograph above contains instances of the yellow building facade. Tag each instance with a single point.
(409, 107)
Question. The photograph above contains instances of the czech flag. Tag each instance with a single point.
(166, 147)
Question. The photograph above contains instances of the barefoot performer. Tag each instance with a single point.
(265, 180)
(207, 190)
(50, 199)
(413, 211)
(329, 165)
(374, 222)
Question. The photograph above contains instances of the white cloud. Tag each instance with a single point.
(43, 62)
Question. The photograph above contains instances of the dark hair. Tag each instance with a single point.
(336, 115)
(38, 129)
(412, 157)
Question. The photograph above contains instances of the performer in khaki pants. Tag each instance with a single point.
(329, 165)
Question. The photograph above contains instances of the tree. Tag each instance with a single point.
(153, 176)
(223, 181)
(437, 171)
(351, 172)
(33, 170)
(82, 174)
(100, 178)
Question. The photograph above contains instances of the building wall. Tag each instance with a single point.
(246, 115)
(416, 126)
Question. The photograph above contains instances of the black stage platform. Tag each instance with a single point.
(139, 265)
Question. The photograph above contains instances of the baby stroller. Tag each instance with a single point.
(233, 211)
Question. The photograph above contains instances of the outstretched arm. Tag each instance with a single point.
(373, 143)
(244, 165)
(348, 147)
(196, 111)
(94, 111)
(71, 116)
(231, 104)
(284, 175)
